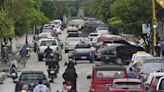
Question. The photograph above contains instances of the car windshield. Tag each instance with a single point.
(33, 76)
(161, 86)
(110, 74)
(128, 85)
(48, 42)
(93, 35)
(83, 46)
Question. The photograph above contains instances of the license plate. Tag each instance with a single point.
(106, 57)
(52, 72)
(13, 74)
(83, 57)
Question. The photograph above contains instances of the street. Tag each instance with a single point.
(83, 68)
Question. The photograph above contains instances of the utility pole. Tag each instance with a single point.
(154, 23)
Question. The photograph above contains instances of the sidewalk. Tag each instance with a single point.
(4, 68)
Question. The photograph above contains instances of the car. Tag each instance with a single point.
(102, 30)
(126, 85)
(93, 37)
(79, 23)
(42, 45)
(149, 65)
(160, 85)
(31, 78)
(152, 80)
(103, 74)
(82, 51)
(70, 43)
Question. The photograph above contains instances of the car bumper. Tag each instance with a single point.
(109, 58)
(82, 57)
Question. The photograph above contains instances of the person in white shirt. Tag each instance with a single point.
(41, 87)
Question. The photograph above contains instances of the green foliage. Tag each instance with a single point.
(25, 14)
(6, 25)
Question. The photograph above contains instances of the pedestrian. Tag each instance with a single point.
(162, 48)
(70, 75)
(25, 88)
(41, 87)
(132, 74)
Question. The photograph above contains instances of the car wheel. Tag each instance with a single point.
(40, 58)
(119, 61)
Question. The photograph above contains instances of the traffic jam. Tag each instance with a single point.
(118, 64)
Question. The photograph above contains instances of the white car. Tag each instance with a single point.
(78, 22)
(72, 28)
(102, 30)
(93, 37)
(42, 45)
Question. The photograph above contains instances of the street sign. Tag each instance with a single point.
(146, 28)
(161, 3)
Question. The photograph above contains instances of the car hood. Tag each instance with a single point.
(126, 90)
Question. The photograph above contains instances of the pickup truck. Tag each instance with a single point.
(42, 45)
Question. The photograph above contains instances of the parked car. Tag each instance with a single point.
(102, 30)
(93, 37)
(54, 45)
(31, 78)
(82, 51)
(105, 74)
(126, 85)
(152, 80)
(70, 43)
(149, 65)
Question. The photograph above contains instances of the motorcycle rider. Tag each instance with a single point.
(70, 75)
(70, 60)
(23, 52)
(67, 87)
(47, 51)
(52, 63)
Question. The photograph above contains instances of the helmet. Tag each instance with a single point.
(70, 56)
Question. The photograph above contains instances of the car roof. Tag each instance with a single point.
(32, 72)
(109, 67)
(157, 74)
(127, 80)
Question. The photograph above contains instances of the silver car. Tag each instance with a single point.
(70, 43)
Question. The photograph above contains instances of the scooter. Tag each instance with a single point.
(13, 75)
(52, 73)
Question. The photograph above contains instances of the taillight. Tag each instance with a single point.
(57, 48)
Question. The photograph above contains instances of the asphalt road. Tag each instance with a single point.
(83, 69)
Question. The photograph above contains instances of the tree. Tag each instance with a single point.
(132, 13)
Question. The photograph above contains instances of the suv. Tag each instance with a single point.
(31, 78)
(42, 45)
(105, 74)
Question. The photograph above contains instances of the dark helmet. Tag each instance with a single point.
(13, 65)
(70, 56)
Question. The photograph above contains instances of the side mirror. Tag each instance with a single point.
(89, 77)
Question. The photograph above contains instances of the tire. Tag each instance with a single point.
(118, 61)
(40, 58)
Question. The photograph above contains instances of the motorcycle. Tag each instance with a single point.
(29, 50)
(52, 73)
(13, 75)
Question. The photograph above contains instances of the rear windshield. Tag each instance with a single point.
(36, 76)
(73, 39)
(48, 42)
(110, 74)
(103, 28)
(128, 85)
(83, 46)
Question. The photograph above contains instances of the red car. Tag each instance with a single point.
(127, 85)
(105, 74)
